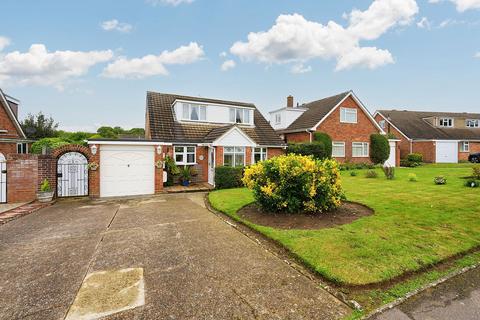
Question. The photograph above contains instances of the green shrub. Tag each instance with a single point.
(315, 149)
(356, 166)
(295, 183)
(389, 172)
(353, 173)
(326, 140)
(471, 183)
(45, 186)
(49, 143)
(476, 172)
(409, 164)
(391, 136)
(439, 180)
(371, 174)
(412, 177)
(379, 148)
(415, 157)
(228, 177)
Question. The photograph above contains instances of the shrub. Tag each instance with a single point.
(440, 180)
(356, 166)
(379, 148)
(353, 173)
(409, 164)
(228, 177)
(45, 186)
(315, 149)
(371, 174)
(476, 172)
(326, 140)
(295, 183)
(472, 183)
(389, 172)
(49, 143)
(412, 177)
(415, 157)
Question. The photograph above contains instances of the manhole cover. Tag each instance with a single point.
(108, 292)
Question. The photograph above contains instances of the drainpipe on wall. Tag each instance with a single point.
(310, 133)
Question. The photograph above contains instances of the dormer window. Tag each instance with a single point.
(382, 124)
(278, 118)
(240, 115)
(445, 122)
(348, 115)
(194, 112)
(472, 123)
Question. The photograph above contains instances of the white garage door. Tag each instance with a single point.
(392, 159)
(447, 151)
(126, 170)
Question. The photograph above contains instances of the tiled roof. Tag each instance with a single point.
(414, 125)
(164, 127)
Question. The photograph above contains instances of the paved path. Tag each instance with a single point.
(457, 299)
(195, 265)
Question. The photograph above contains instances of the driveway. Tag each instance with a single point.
(195, 266)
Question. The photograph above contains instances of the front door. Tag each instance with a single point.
(211, 166)
(72, 175)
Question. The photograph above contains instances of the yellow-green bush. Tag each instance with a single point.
(294, 183)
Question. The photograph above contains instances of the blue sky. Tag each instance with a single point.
(93, 61)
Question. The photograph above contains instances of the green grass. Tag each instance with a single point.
(416, 224)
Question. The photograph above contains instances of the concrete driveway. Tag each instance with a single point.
(195, 265)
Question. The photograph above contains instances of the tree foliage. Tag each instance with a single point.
(326, 140)
(379, 148)
(39, 126)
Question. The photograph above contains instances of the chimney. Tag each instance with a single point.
(290, 101)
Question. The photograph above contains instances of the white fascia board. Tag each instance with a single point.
(212, 103)
(129, 143)
(239, 130)
(11, 114)
(384, 118)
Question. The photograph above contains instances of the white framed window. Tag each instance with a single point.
(445, 122)
(381, 123)
(348, 115)
(240, 115)
(185, 155)
(22, 147)
(360, 149)
(338, 149)
(464, 146)
(234, 156)
(194, 112)
(278, 118)
(472, 123)
(259, 154)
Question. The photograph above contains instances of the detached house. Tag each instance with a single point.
(441, 137)
(12, 137)
(343, 117)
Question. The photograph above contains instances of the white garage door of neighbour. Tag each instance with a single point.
(126, 170)
(447, 151)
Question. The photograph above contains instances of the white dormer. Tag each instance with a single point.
(282, 118)
(199, 112)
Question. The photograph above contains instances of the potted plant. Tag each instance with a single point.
(46, 193)
(185, 176)
(172, 170)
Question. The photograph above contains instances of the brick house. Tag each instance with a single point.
(199, 132)
(441, 137)
(12, 137)
(343, 117)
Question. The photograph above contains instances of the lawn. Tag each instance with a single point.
(416, 224)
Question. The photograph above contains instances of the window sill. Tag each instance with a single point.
(349, 122)
(360, 156)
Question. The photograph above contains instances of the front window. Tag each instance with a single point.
(234, 156)
(382, 124)
(184, 155)
(472, 123)
(194, 112)
(22, 148)
(445, 122)
(348, 115)
(465, 146)
(240, 115)
(360, 149)
(259, 154)
(338, 149)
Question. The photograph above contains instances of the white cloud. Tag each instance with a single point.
(227, 65)
(4, 42)
(300, 68)
(40, 67)
(424, 23)
(169, 2)
(293, 39)
(115, 25)
(477, 55)
(223, 54)
(152, 65)
(462, 5)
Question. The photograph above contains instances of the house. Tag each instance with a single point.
(199, 132)
(441, 137)
(343, 117)
(12, 137)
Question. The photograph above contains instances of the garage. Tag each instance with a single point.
(446, 151)
(127, 170)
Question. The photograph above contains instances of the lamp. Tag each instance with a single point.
(159, 149)
(94, 149)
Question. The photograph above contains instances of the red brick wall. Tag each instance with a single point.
(297, 137)
(426, 148)
(219, 156)
(202, 165)
(274, 152)
(404, 144)
(8, 148)
(7, 124)
(47, 169)
(474, 148)
(248, 155)
(159, 171)
(22, 177)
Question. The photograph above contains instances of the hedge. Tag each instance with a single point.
(49, 143)
(315, 149)
(228, 177)
(326, 140)
(379, 148)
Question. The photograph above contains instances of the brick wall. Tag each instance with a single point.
(274, 152)
(404, 144)
(7, 124)
(427, 149)
(297, 137)
(159, 171)
(8, 148)
(218, 156)
(22, 177)
(474, 148)
(47, 169)
(202, 165)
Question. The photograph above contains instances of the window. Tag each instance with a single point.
(464, 146)
(338, 149)
(445, 122)
(194, 112)
(359, 149)
(234, 156)
(259, 154)
(278, 118)
(348, 115)
(472, 123)
(184, 155)
(382, 124)
(240, 115)
(22, 148)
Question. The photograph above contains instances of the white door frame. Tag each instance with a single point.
(3, 179)
(211, 165)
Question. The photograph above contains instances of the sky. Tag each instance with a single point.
(89, 63)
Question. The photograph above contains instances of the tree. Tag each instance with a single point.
(39, 126)
(107, 132)
(326, 140)
(379, 148)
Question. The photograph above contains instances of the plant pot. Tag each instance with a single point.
(45, 196)
(185, 183)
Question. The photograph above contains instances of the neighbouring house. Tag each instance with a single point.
(343, 117)
(441, 137)
(199, 132)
